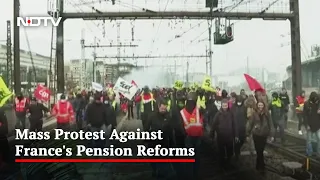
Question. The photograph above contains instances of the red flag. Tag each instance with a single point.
(42, 93)
(134, 83)
(253, 84)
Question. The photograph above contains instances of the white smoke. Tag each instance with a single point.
(151, 76)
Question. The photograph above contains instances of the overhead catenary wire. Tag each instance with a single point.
(193, 27)
(30, 52)
(223, 9)
(185, 32)
(134, 6)
(267, 8)
(151, 48)
(80, 10)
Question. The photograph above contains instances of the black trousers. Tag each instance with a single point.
(285, 116)
(225, 151)
(237, 147)
(144, 119)
(130, 111)
(36, 125)
(300, 120)
(259, 144)
(79, 119)
(4, 150)
(64, 126)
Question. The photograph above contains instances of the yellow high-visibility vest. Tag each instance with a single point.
(276, 103)
(169, 105)
(146, 101)
(114, 104)
(201, 102)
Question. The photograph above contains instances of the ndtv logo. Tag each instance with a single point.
(37, 21)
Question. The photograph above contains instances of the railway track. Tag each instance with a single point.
(294, 149)
(209, 168)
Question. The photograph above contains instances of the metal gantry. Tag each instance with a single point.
(111, 45)
(293, 16)
(9, 55)
(16, 47)
(154, 57)
(145, 15)
(118, 48)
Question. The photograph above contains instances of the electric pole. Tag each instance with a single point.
(187, 74)
(210, 46)
(207, 62)
(60, 47)
(118, 49)
(83, 67)
(210, 39)
(16, 47)
(9, 55)
(94, 60)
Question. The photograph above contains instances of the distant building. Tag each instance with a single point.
(105, 73)
(111, 71)
(196, 77)
(310, 73)
(40, 62)
(74, 73)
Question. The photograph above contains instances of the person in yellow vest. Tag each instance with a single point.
(201, 101)
(147, 104)
(112, 101)
(277, 114)
(167, 99)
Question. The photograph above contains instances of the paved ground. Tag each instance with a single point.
(99, 171)
(12, 121)
(292, 126)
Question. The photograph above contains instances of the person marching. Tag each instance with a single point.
(35, 113)
(193, 126)
(147, 105)
(64, 113)
(20, 108)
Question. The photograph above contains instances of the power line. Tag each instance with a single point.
(134, 6)
(185, 32)
(179, 36)
(151, 48)
(154, 57)
(197, 37)
(236, 5)
(270, 5)
(222, 9)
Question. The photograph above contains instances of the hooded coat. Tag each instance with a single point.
(240, 115)
(311, 116)
(224, 124)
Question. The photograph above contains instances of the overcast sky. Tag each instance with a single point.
(264, 43)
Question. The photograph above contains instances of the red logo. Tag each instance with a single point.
(42, 93)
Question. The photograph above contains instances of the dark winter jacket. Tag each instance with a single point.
(224, 125)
